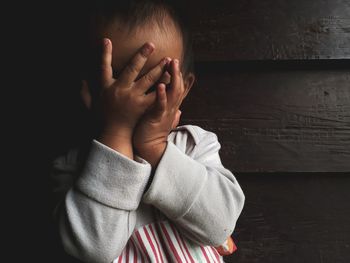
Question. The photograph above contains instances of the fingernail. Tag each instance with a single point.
(106, 41)
(147, 49)
(180, 112)
(166, 60)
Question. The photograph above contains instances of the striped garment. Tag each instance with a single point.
(160, 242)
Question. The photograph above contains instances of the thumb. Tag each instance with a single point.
(85, 94)
(176, 119)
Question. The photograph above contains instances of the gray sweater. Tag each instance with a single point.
(112, 196)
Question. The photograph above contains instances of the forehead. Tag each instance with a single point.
(167, 41)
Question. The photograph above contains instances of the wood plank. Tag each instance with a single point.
(294, 218)
(227, 30)
(285, 120)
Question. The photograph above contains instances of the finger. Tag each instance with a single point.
(134, 67)
(175, 82)
(161, 105)
(161, 97)
(106, 64)
(165, 78)
(153, 76)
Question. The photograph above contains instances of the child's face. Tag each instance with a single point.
(168, 43)
(125, 44)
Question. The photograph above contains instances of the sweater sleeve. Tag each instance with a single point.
(97, 213)
(197, 193)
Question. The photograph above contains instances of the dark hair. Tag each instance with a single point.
(134, 13)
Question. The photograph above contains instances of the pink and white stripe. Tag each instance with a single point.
(161, 242)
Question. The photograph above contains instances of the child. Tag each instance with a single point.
(147, 191)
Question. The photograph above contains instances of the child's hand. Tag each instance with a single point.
(123, 100)
(151, 133)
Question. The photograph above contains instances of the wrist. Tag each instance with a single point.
(118, 139)
(120, 132)
(152, 153)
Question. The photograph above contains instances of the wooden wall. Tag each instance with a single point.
(294, 218)
(274, 84)
(277, 30)
(275, 120)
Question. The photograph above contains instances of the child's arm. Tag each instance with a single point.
(97, 212)
(197, 193)
(151, 133)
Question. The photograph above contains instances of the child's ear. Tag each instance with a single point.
(85, 94)
(188, 82)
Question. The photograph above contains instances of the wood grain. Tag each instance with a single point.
(294, 218)
(270, 30)
(285, 120)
